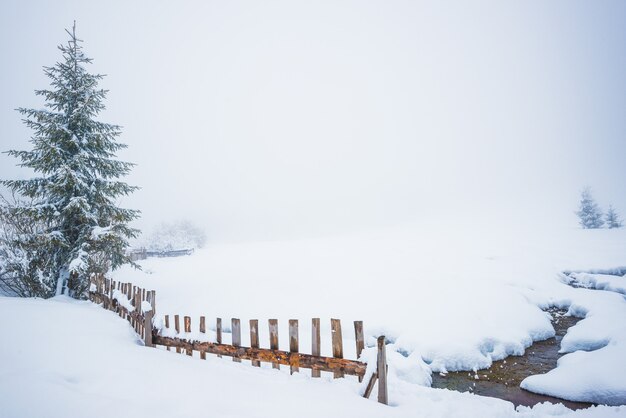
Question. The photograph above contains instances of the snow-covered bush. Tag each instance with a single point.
(589, 214)
(25, 257)
(175, 236)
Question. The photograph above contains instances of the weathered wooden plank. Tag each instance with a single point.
(254, 339)
(111, 289)
(188, 330)
(273, 324)
(138, 310)
(235, 327)
(381, 366)
(128, 293)
(147, 327)
(142, 292)
(122, 310)
(327, 364)
(337, 340)
(315, 342)
(293, 344)
(359, 339)
(167, 325)
(202, 331)
(177, 328)
(153, 301)
(138, 323)
(218, 332)
(132, 319)
(370, 385)
(123, 290)
(105, 304)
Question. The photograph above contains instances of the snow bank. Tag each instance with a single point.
(609, 282)
(595, 369)
(457, 297)
(93, 365)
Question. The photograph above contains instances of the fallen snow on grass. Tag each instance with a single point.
(448, 297)
(65, 358)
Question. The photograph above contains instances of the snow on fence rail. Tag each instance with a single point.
(137, 305)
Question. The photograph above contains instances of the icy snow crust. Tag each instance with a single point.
(450, 298)
(93, 365)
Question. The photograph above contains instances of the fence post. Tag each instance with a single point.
(123, 291)
(273, 323)
(315, 343)
(147, 329)
(293, 346)
(381, 364)
(360, 341)
(335, 325)
(202, 331)
(107, 290)
(188, 330)
(167, 325)
(153, 301)
(235, 326)
(138, 311)
(218, 332)
(254, 339)
(177, 328)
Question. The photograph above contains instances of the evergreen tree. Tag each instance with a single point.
(589, 214)
(77, 188)
(24, 262)
(612, 219)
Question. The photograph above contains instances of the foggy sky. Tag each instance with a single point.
(264, 120)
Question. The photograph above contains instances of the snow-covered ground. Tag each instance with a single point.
(450, 297)
(66, 358)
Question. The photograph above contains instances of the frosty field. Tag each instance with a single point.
(450, 298)
(447, 299)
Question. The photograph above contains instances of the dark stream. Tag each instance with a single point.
(503, 378)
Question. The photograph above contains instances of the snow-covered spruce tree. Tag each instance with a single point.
(77, 188)
(612, 219)
(589, 214)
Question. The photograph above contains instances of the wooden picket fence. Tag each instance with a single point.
(137, 305)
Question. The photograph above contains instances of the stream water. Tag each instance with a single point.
(503, 378)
